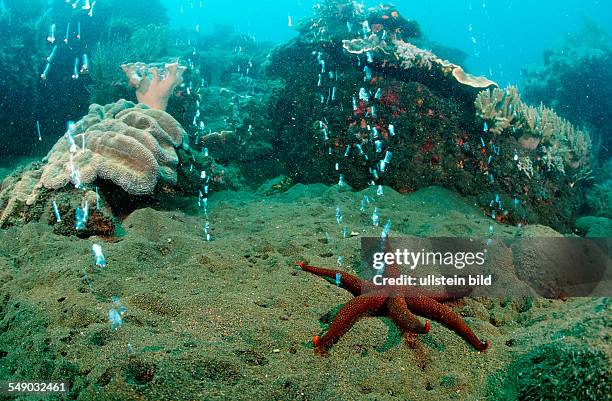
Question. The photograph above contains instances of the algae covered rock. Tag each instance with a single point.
(275, 186)
(593, 226)
(556, 371)
(372, 104)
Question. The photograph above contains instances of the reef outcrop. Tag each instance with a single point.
(575, 79)
(129, 145)
(367, 103)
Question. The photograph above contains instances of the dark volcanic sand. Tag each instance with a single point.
(233, 318)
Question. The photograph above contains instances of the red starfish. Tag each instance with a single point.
(397, 302)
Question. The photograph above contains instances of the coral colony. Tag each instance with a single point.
(549, 146)
(385, 98)
(154, 83)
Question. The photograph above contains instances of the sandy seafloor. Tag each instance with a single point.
(233, 319)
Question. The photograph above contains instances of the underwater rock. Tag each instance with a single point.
(364, 102)
(99, 222)
(222, 143)
(17, 192)
(595, 227)
(276, 185)
(118, 157)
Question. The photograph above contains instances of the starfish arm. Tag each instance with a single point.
(347, 316)
(403, 318)
(391, 270)
(434, 310)
(349, 282)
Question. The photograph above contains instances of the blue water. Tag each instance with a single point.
(500, 36)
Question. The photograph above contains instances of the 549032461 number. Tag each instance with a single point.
(32, 387)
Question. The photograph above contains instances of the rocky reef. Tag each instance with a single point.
(576, 81)
(225, 103)
(366, 103)
(358, 98)
(116, 158)
(553, 157)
